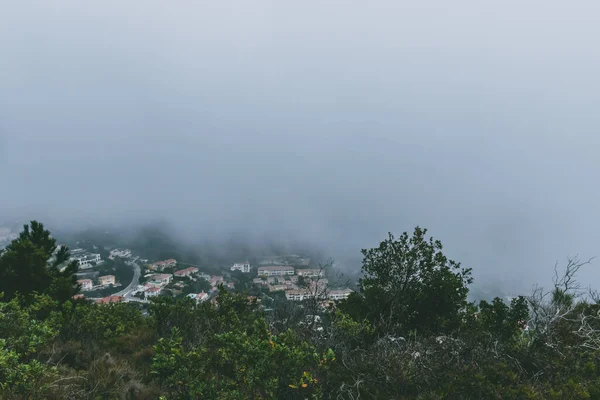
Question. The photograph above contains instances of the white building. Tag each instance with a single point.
(310, 272)
(160, 265)
(122, 253)
(298, 295)
(153, 291)
(161, 279)
(199, 297)
(277, 288)
(185, 272)
(245, 267)
(275, 271)
(202, 275)
(107, 280)
(86, 284)
(86, 259)
(259, 281)
(341, 294)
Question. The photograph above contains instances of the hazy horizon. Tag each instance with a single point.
(326, 123)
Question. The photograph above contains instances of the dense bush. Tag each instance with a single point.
(408, 334)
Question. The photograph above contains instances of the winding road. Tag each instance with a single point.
(134, 282)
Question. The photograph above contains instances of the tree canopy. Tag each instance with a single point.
(32, 263)
(408, 284)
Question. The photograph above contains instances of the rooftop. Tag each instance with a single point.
(169, 261)
(185, 271)
(110, 299)
(341, 291)
(300, 291)
(161, 276)
(276, 268)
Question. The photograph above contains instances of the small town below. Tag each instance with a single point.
(170, 278)
(290, 277)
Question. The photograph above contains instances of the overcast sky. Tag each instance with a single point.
(330, 121)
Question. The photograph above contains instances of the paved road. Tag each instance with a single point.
(134, 282)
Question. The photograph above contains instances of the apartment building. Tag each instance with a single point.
(244, 267)
(310, 272)
(275, 271)
(107, 280)
(86, 284)
(185, 272)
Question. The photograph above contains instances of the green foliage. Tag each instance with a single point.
(243, 281)
(238, 358)
(22, 337)
(197, 286)
(33, 264)
(89, 321)
(408, 334)
(410, 284)
(504, 322)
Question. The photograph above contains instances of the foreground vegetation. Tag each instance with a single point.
(408, 334)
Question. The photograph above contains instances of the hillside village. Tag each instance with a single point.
(288, 277)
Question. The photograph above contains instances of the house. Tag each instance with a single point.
(202, 296)
(310, 272)
(110, 299)
(161, 279)
(86, 284)
(185, 272)
(85, 259)
(123, 253)
(290, 285)
(215, 280)
(160, 265)
(317, 291)
(231, 285)
(199, 297)
(245, 267)
(259, 282)
(277, 288)
(275, 271)
(298, 295)
(78, 296)
(107, 280)
(153, 291)
(340, 294)
(204, 276)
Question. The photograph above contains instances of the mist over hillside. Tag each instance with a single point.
(244, 123)
(299, 200)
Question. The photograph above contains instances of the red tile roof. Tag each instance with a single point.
(110, 299)
(185, 271)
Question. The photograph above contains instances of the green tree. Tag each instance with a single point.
(503, 322)
(410, 284)
(21, 338)
(237, 357)
(197, 286)
(33, 263)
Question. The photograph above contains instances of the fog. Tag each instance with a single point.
(328, 122)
